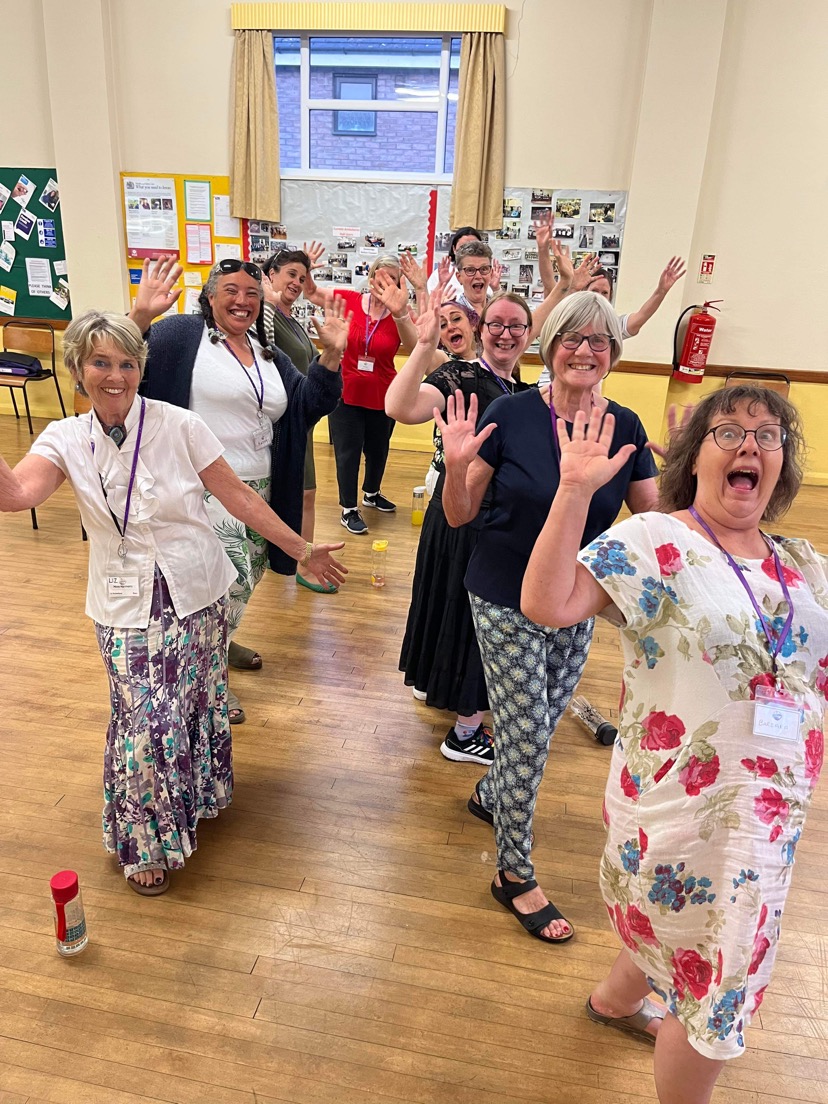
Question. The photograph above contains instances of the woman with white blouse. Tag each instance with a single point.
(157, 590)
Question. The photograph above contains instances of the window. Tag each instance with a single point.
(355, 86)
(367, 107)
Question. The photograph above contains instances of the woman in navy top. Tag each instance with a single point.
(532, 670)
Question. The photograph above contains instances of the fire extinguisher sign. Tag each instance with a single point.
(706, 268)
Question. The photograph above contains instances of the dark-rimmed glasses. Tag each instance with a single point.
(516, 329)
(730, 436)
(486, 270)
(571, 339)
(233, 264)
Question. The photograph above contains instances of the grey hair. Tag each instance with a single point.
(89, 330)
(472, 249)
(583, 308)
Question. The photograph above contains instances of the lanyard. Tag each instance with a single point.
(371, 330)
(257, 391)
(774, 645)
(122, 548)
(501, 383)
(299, 328)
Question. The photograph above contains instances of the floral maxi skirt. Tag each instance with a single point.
(168, 759)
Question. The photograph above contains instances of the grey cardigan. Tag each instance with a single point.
(173, 345)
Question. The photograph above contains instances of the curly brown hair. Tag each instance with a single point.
(677, 490)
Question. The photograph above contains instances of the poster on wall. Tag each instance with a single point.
(151, 218)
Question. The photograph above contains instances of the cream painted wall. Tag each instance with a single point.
(26, 127)
(765, 186)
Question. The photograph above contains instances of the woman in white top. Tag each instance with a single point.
(157, 590)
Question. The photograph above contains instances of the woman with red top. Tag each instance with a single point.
(380, 325)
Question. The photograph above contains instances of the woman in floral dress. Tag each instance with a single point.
(725, 637)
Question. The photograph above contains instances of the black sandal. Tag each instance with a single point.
(533, 922)
(476, 809)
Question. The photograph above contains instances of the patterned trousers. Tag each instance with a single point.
(245, 547)
(531, 673)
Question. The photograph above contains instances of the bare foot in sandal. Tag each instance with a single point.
(533, 901)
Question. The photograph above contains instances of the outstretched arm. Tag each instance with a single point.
(243, 503)
(29, 484)
(674, 271)
(557, 590)
(408, 399)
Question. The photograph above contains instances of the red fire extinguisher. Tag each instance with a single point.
(689, 367)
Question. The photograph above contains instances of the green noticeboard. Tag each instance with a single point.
(32, 231)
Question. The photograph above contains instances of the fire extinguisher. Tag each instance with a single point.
(689, 367)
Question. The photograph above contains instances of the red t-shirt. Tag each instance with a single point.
(359, 387)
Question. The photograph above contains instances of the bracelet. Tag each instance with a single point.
(400, 317)
(305, 560)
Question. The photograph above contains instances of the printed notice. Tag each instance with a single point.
(151, 219)
(197, 200)
(39, 276)
(225, 225)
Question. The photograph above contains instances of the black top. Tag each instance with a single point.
(525, 479)
(471, 378)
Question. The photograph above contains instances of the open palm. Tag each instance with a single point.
(585, 460)
(460, 442)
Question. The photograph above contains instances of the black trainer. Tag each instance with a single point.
(378, 502)
(352, 520)
(479, 748)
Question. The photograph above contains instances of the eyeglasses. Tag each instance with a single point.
(730, 436)
(486, 270)
(516, 329)
(571, 339)
(233, 264)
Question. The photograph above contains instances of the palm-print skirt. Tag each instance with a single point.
(168, 759)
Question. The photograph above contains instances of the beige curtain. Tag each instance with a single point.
(479, 142)
(254, 175)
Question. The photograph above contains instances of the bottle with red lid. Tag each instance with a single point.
(70, 919)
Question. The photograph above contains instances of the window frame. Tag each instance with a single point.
(437, 105)
(358, 78)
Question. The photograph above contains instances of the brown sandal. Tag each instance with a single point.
(234, 706)
(150, 890)
(636, 1024)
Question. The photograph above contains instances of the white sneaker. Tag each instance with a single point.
(420, 695)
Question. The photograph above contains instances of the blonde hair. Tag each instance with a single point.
(384, 260)
(584, 308)
(91, 329)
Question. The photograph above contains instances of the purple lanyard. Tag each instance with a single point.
(496, 377)
(774, 645)
(371, 330)
(122, 548)
(257, 391)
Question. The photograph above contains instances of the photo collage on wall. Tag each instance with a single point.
(586, 221)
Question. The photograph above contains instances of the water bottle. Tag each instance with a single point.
(591, 719)
(70, 919)
(418, 505)
(378, 553)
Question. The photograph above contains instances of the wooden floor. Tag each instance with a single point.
(334, 939)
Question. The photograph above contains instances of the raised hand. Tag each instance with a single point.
(674, 427)
(445, 271)
(674, 271)
(384, 287)
(416, 274)
(322, 564)
(156, 293)
(585, 272)
(332, 331)
(563, 262)
(543, 230)
(460, 442)
(585, 461)
(497, 272)
(270, 294)
(428, 324)
(314, 252)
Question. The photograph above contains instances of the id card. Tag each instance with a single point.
(776, 714)
(122, 586)
(365, 364)
(263, 437)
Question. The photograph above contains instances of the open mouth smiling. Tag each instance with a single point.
(743, 479)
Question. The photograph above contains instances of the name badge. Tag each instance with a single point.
(776, 714)
(365, 364)
(122, 586)
(263, 437)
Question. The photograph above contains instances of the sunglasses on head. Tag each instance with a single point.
(233, 264)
